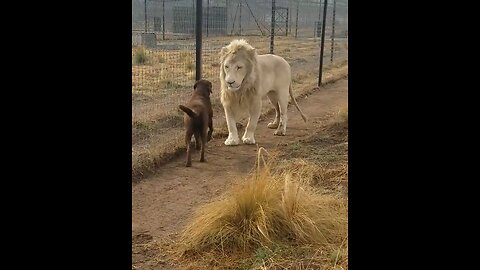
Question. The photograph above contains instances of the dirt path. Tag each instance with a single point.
(162, 204)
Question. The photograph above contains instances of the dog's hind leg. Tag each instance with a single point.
(188, 137)
(204, 143)
(197, 140)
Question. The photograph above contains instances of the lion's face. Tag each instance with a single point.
(235, 68)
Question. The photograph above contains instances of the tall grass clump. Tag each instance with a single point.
(268, 207)
(140, 56)
(343, 113)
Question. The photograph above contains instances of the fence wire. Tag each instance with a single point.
(163, 49)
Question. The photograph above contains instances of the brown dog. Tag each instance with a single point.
(198, 118)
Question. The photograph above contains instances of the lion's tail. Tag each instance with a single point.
(296, 104)
(188, 111)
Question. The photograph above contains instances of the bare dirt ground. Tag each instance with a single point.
(158, 87)
(163, 203)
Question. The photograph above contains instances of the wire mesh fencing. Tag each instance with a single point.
(163, 51)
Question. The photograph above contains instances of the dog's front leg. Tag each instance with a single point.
(254, 111)
(232, 128)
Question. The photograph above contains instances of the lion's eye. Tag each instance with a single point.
(226, 66)
(239, 68)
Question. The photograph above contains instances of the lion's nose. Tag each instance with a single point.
(232, 82)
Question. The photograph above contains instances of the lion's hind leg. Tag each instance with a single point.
(272, 96)
(283, 104)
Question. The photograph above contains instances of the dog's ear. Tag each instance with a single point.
(195, 85)
(209, 86)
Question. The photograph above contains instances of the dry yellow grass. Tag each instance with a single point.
(266, 218)
(343, 113)
(152, 68)
(147, 158)
(139, 56)
(326, 177)
(321, 157)
(167, 77)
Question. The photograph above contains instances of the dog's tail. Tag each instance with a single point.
(188, 111)
(296, 105)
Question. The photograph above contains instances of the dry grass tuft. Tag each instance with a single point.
(343, 113)
(269, 209)
(148, 161)
(139, 56)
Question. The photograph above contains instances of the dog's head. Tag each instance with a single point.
(203, 87)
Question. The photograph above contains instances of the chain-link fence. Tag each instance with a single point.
(163, 50)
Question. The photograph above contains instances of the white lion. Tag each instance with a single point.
(245, 79)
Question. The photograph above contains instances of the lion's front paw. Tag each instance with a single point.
(248, 139)
(232, 141)
(272, 125)
(279, 132)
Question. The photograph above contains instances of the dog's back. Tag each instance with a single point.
(198, 117)
(196, 110)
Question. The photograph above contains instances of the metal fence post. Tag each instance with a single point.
(322, 43)
(208, 8)
(145, 16)
(333, 32)
(163, 19)
(272, 30)
(296, 21)
(198, 41)
(240, 18)
(319, 19)
(286, 23)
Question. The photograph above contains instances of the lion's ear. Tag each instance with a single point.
(252, 52)
(223, 52)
